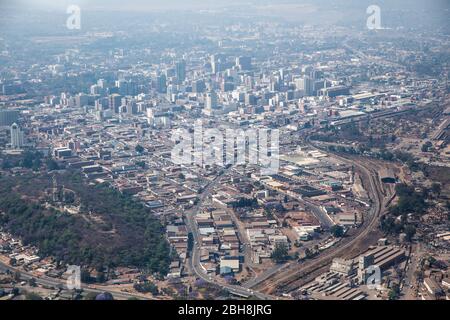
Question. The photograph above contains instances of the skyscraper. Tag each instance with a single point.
(115, 101)
(161, 84)
(8, 117)
(305, 84)
(16, 136)
(198, 86)
(81, 100)
(217, 61)
(211, 100)
(244, 63)
(181, 71)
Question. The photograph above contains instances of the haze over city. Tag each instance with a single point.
(200, 150)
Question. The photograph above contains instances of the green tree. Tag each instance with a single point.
(52, 164)
(436, 188)
(139, 148)
(280, 253)
(32, 296)
(337, 231)
(394, 293)
(426, 146)
(147, 287)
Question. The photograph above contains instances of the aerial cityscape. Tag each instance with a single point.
(224, 150)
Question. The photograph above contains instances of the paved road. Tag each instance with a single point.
(53, 282)
(194, 261)
(408, 292)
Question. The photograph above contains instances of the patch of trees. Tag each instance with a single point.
(280, 253)
(137, 238)
(147, 287)
(29, 159)
(245, 202)
(337, 231)
(409, 201)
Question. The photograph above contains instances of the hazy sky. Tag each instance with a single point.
(327, 12)
(214, 4)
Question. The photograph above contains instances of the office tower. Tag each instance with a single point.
(317, 86)
(274, 85)
(198, 86)
(132, 108)
(122, 86)
(227, 86)
(290, 95)
(316, 74)
(16, 136)
(132, 88)
(161, 83)
(282, 74)
(115, 101)
(211, 100)
(170, 73)
(250, 99)
(181, 71)
(217, 61)
(171, 92)
(81, 100)
(8, 117)
(305, 84)
(96, 90)
(244, 63)
(102, 83)
(307, 70)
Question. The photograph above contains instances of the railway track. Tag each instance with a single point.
(296, 275)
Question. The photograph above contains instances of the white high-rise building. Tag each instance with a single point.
(16, 136)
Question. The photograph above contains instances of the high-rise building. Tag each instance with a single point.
(198, 86)
(217, 61)
(250, 99)
(244, 63)
(102, 83)
(115, 101)
(8, 117)
(132, 107)
(161, 83)
(181, 71)
(305, 84)
(122, 86)
(16, 136)
(81, 100)
(211, 100)
(227, 86)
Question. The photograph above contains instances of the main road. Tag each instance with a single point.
(194, 260)
(60, 283)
